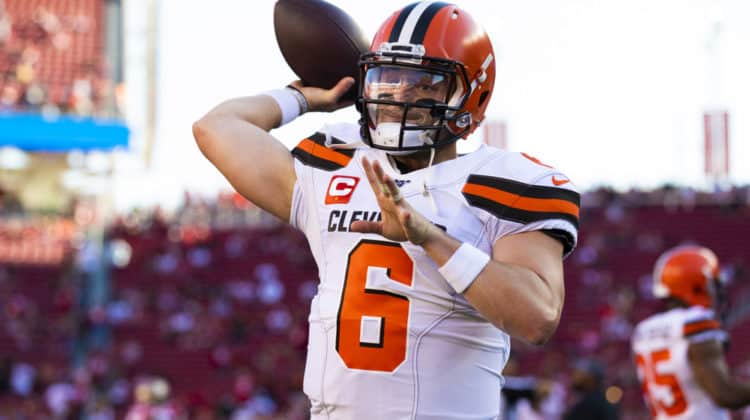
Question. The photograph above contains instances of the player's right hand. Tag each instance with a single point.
(325, 100)
(400, 221)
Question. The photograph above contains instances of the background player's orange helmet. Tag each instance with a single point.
(689, 273)
(428, 38)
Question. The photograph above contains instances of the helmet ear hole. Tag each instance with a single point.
(483, 97)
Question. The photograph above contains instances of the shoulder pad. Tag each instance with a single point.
(699, 320)
(520, 166)
(313, 151)
(522, 202)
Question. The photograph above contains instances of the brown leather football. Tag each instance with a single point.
(320, 42)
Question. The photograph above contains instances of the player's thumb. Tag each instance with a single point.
(342, 87)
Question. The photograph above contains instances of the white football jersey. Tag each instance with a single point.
(389, 337)
(660, 346)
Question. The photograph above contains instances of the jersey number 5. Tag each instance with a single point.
(650, 376)
(371, 331)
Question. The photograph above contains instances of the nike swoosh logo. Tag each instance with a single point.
(559, 182)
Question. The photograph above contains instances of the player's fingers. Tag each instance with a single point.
(341, 88)
(392, 188)
(379, 188)
(374, 184)
(388, 189)
(379, 173)
(381, 184)
(363, 226)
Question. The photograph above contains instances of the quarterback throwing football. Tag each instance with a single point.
(429, 261)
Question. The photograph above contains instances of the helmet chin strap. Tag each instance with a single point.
(426, 180)
(387, 134)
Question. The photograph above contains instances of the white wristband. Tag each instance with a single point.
(288, 103)
(463, 267)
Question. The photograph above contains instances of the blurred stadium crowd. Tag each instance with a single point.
(204, 312)
(50, 58)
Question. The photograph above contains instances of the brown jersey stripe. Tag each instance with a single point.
(516, 215)
(316, 155)
(313, 161)
(323, 152)
(696, 327)
(520, 202)
(320, 138)
(527, 190)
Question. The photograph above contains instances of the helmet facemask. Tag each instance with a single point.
(409, 102)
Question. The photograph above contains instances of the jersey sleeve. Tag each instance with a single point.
(315, 151)
(524, 197)
(702, 325)
(301, 213)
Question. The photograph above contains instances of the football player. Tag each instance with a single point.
(679, 352)
(429, 262)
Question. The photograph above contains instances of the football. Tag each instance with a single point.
(320, 42)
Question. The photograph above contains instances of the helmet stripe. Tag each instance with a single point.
(424, 22)
(413, 19)
(400, 22)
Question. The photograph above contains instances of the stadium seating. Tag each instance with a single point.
(52, 57)
(215, 298)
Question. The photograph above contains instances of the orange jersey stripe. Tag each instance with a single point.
(323, 152)
(523, 203)
(700, 326)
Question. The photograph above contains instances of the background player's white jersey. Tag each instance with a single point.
(660, 344)
(389, 337)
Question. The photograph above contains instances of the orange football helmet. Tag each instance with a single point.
(689, 273)
(437, 47)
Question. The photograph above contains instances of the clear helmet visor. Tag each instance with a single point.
(406, 106)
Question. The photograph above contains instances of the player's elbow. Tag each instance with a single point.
(202, 132)
(542, 327)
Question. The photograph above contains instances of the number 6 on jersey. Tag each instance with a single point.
(372, 324)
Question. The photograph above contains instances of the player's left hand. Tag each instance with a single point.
(400, 222)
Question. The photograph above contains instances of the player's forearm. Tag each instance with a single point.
(511, 297)
(516, 300)
(733, 395)
(711, 372)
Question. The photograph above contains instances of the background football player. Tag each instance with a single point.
(428, 262)
(680, 351)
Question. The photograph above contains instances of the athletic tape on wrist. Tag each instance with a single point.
(463, 267)
(288, 103)
(303, 105)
